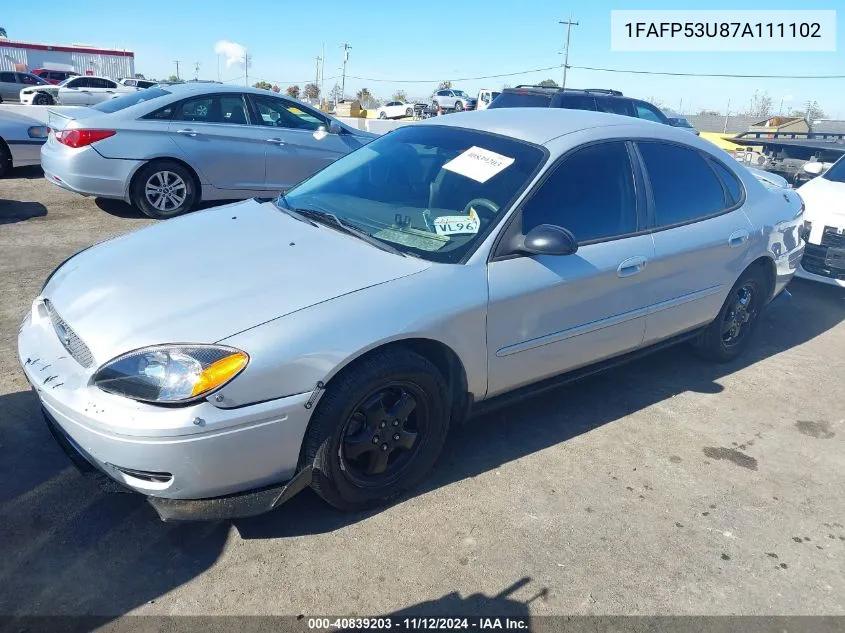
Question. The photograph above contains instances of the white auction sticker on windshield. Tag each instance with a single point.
(456, 224)
(478, 163)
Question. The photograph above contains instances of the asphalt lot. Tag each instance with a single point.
(669, 486)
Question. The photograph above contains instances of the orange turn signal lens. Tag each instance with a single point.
(220, 372)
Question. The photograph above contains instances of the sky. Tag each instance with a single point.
(411, 46)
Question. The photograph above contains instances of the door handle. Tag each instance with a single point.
(277, 141)
(631, 266)
(738, 238)
(187, 132)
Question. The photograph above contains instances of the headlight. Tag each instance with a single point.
(171, 373)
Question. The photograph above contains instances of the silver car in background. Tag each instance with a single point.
(222, 361)
(21, 139)
(163, 149)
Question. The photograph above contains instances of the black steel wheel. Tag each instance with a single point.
(42, 99)
(731, 331)
(377, 430)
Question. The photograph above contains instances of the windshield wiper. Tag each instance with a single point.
(326, 217)
(282, 205)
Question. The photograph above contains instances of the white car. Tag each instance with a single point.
(395, 109)
(81, 90)
(824, 216)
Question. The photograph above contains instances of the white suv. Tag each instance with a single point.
(824, 216)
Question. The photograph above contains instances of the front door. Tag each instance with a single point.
(213, 131)
(293, 152)
(550, 314)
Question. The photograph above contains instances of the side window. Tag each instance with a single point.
(276, 112)
(98, 82)
(82, 82)
(730, 181)
(8, 78)
(615, 106)
(591, 193)
(576, 102)
(647, 112)
(194, 110)
(230, 110)
(684, 187)
(162, 114)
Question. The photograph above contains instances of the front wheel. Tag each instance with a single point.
(378, 429)
(409, 112)
(42, 98)
(731, 331)
(382, 115)
(163, 189)
(459, 106)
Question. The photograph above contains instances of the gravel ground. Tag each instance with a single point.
(668, 486)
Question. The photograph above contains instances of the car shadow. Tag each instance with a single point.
(29, 172)
(12, 211)
(69, 548)
(121, 209)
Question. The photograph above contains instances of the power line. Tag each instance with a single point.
(727, 75)
(427, 81)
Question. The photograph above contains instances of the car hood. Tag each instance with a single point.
(41, 88)
(824, 200)
(206, 276)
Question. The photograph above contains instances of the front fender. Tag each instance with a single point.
(289, 355)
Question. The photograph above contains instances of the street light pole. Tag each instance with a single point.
(569, 24)
(346, 48)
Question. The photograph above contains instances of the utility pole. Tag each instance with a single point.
(569, 24)
(322, 71)
(317, 81)
(196, 70)
(346, 48)
(246, 68)
(177, 62)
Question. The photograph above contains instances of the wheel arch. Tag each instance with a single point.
(6, 153)
(766, 265)
(134, 179)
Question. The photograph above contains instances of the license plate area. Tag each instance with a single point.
(835, 258)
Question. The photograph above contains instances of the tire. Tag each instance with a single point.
(43, 99)
(409, 112)
(459, 105)
(5, 160)
(343, 442)
(178, 185)
(434, 108)
(382, 115)
(730, 333)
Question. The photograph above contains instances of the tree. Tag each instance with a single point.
(364, 96)
(265, 85)
(276, 88)
(400, 95)
(811, 111)
(3, 32)
(173, 78)
(444, 85)
(293, 91)
(336, 93)
(312, 91)
(761, 105)
(655, 102)
(548, 83)
(709, 112)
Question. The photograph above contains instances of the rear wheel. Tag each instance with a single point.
(382, 115)
(378, 429)
(42, 98)
(163, 189)
(409, 112)
(731, 331)
(5, 160)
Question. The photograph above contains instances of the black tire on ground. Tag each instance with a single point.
(434, 107)
(382, 115)
(43, 99)
(409, 112)
(730, 333)
(5, 160)
(161, 174)
(459, 105)
(403, 395)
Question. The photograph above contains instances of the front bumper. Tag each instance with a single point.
(171, 454)
(87, 172)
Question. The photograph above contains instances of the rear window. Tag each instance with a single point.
(521, 100)
(615, 106)
(134, 98)
(575, 102)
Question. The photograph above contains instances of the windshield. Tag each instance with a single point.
(426, 190)
(459, 93)
(64, 81)
(133, 98)
(837, 172)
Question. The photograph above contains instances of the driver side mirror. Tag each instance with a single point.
(814, 168)
(548, 239)
(321, 132)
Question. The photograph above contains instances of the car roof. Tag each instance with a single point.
(204, 86)
(539, 125)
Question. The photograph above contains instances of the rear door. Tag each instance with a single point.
(100, 90)
(293, 153)
(77, 91)
(10, 89)
(701, 236)
(214, 133)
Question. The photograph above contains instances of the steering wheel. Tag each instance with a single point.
(484, 203)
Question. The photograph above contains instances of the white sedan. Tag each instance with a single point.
(395, 109)
(80, 90)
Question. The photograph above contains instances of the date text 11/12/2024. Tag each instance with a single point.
(419, 623)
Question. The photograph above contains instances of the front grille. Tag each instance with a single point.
(69, 339)
(815, 261)
(832, 237)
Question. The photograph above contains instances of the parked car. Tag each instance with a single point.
(677, 119)
(11, 84)
(485, 98)
(453, 100)
(54, 76)
(824, 219)
(137, 83)
(21, 139)
(165, 149)
(395, 109)
(221, 362)
(598, 99)
(82, 90)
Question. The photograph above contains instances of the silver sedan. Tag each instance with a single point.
(223, 361)
(164, 149)
(21, 139)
